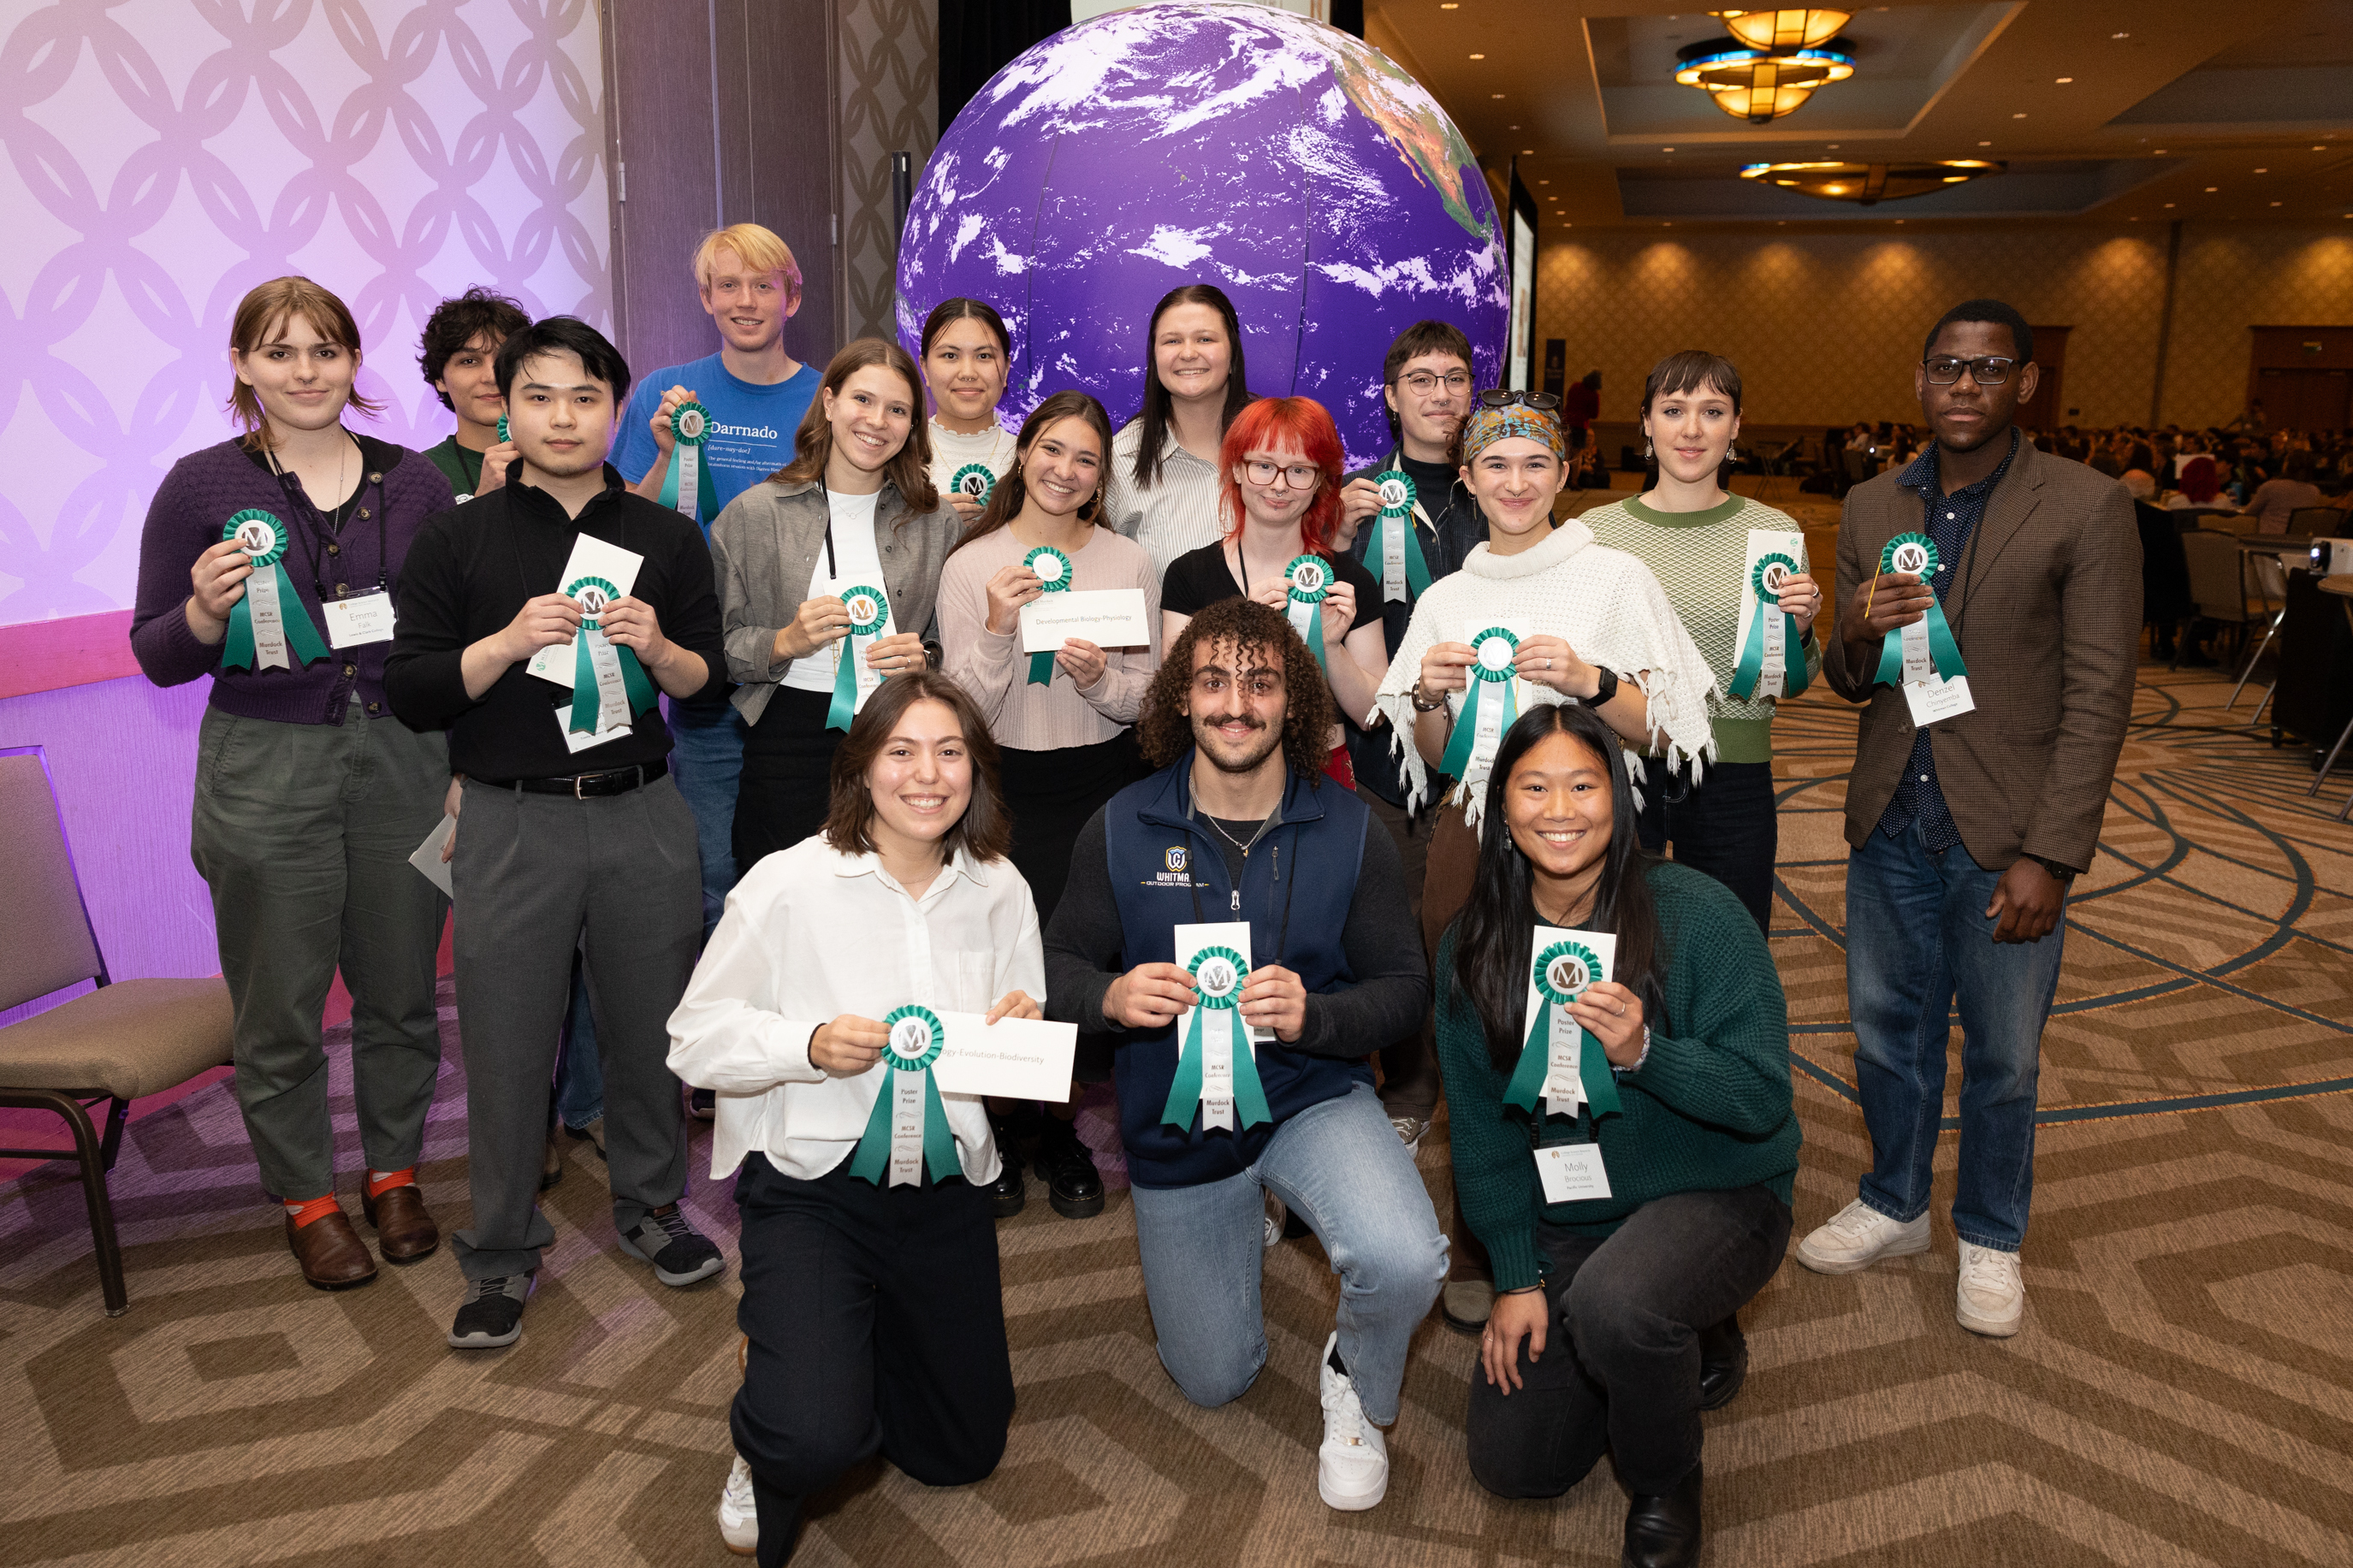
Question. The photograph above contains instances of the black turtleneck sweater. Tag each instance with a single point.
(471, 570)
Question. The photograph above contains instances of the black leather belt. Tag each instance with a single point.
(587, 786)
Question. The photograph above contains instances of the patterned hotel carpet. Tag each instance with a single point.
(2182, 1392)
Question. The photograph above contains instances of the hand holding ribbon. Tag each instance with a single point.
(608, 685)
(1765, 665)
(690, 426)
(1925, 648)
(267, 621)
(854, 679)
(1054, 572)
(907, 1133)
(1404, 572)
(1215, 1076)
(1490, 708)
(1310, 578)
(1560, 1062)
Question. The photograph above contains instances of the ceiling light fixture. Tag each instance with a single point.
(2111, 35)
(1771, 63)
(2263, 171)
(2065, 79)
(1868, 185)
(1478, 57)
(1802, 27)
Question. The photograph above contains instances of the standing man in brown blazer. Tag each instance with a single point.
(1966, 830)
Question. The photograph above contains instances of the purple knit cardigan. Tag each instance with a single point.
(201, 493)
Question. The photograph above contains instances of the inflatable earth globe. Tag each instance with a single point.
(1289, 164)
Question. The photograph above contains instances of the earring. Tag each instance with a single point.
(1649, 453)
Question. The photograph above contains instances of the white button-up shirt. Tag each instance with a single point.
(810, 934)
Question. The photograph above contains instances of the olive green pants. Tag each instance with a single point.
(304, 832)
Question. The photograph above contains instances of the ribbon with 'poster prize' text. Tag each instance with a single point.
(1213, 1075)
(1560, 1063)
(1925, 649)
(269, 620)
(608, 684)
(1402, 566)
(1765, 667)
(908, 1129)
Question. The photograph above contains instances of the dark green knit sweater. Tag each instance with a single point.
(1709, 1112)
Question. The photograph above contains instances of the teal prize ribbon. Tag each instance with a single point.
(1488, 707)
(1927, 646)
(269, 619)
(1765, 666)
(1311, 579)
(503, 437)
(869, 613)
(1560, 1062)
(1054, 573)
(974, 481)
(608, 684)
(1214, 1076)
(1402, 567)
(908, 1131)
(690, 426)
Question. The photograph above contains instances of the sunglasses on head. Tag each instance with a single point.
(1504, 396)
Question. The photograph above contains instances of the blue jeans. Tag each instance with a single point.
(707, 757)
(579, 1077)
(1340, 1167)
(1918, 940)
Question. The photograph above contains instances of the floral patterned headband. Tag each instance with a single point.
(1488, 425)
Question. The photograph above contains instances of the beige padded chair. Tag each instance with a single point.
(126, 1039)
(2217, 578)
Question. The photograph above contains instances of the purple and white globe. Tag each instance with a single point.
(1289, 164)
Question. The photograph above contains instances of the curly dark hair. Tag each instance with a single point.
(454, 323)
(1167, 733)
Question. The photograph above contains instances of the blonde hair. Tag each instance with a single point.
(265, 309)
(757, 248)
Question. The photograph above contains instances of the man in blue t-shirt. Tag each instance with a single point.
(755, 395)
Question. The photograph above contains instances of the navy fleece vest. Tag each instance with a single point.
(1167, 870)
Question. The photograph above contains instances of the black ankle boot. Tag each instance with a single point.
(1663, 1531)
(1008, 1192)
(1723, 1363)
(1069, 1171)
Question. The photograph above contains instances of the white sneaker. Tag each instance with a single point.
(1859, 1236)
(1991, 1297)
(1278, 1215)
(739, 1516)
(1352, 1468)
(1410, 1130)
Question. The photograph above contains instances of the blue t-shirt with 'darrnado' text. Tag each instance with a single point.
(751, 427)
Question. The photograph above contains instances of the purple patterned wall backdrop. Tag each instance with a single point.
(162, 156)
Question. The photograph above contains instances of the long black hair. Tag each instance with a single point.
(1154, 413)
(1005, 498)
(1494, 934)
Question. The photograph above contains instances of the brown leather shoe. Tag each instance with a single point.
(330, 1252)
(404, 1231)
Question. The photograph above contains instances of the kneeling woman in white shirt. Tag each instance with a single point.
(872, 1308)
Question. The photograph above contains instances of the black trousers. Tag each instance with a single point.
(1620, 1365)
(787, 785)
(1723, 825)
(876, 1320)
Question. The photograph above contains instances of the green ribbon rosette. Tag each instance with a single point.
(1054, 573)
(1558, 1052)
(1765, 663)
(1404, 576)
(608, 684)
(974, 481)
(1309, 577)
(269, 620)
(1488, 707)
(690, 427)
(869, 613)
(908, 1131)
(1927, 646)
(503, 437)
(1214, 1075)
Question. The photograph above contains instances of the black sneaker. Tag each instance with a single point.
(1010, 1190)
(701, 1104)
(1069, 1171)
(1723, 1363)
(680, 1253)
(491, 1315)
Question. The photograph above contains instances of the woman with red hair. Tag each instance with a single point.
(2199, 485)
(1280, 502)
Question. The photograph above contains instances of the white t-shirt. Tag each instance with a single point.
(856, 564)
(991, 448)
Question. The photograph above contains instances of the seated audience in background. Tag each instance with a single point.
(1614, 1324)
(565, 841)
(455, 354)
(872, 1312)
(2274, 500)
(309, 793)
(2199, 485)
(1241, 825)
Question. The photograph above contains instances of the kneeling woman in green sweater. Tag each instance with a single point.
(1673, 1172)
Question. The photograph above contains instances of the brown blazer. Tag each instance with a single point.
(2045, 606)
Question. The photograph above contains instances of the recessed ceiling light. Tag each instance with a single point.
(1478, 57)
(1666, 149)
(2320, 149)
(2020, 115)
(2065, 79)
(2136, 219)
(2212, 189)
(1544, 181)
(1899, 223)
(2275, 204)
(1457, 5)
(2160, 152)
(1494, 94)
(1780, 223)
(1985, 144)
(2111, 35)
(2168, 203)
(2263, 171)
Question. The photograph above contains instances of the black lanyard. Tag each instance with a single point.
(300, 506)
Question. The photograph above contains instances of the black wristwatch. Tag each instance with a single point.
(1605, 690)
(2065, 873)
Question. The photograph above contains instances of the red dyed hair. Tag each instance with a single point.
(1268, 424)
(2198, 480)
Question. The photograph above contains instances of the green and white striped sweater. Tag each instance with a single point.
(1699, 558)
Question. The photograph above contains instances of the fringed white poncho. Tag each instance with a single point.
(1602, 602)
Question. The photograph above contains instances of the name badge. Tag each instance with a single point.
(1931, 700)
(1572, 1172)
(353, 622)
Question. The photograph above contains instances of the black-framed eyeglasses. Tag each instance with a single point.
(1504, 396)
(1987, 369)
(1422, 383)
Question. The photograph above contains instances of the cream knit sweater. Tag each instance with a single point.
(1603, 603)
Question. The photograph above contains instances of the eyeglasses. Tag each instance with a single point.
(1297, 477)
(1422, 383)
(1504, 396)
(1988, 370)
